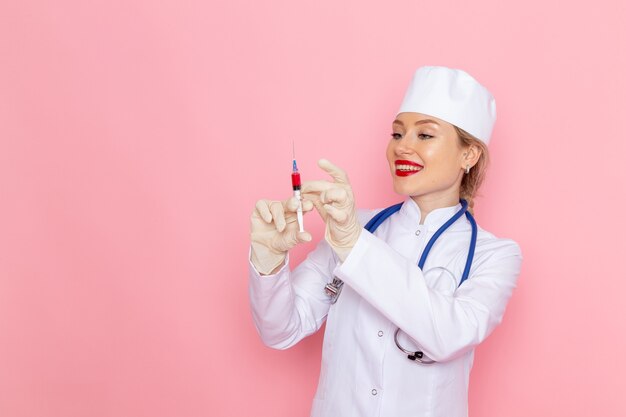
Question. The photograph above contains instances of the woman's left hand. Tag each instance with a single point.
(335, 203)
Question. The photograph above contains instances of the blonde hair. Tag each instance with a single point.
(471, 182)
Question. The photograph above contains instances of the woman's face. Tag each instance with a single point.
(425, 157)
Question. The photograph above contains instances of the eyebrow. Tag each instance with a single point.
(419, 122)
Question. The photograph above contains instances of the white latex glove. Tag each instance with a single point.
(335, 203)
(274, 230)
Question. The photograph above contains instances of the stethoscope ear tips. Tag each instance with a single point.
(416, 355)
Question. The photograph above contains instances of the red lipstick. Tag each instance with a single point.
(405, 168)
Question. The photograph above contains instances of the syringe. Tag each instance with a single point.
(296, 184)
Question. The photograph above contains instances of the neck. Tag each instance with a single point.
(428, 203)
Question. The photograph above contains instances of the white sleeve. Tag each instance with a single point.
(290, 305)
(445, 326)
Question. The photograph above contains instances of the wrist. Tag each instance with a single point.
(265, 260)
(343, 249)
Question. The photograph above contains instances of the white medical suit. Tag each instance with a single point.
(363, 373)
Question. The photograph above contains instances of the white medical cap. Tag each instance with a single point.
(454, 96)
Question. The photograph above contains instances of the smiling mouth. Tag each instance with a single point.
(405, 168)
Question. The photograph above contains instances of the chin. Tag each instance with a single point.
(403, 189)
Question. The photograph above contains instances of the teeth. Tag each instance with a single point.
(408, 168)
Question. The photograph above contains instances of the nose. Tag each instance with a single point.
(403, 146)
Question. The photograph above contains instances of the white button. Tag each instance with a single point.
(417, 232)
(374, 392)
(380, 333)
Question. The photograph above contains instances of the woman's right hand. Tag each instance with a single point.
(274, 230)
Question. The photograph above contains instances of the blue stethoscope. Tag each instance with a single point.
(334, 289)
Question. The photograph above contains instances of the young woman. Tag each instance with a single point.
(424, 285)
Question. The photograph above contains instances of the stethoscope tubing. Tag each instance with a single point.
(334, 289)
(417, 356)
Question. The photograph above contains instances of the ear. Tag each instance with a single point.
(471, 155)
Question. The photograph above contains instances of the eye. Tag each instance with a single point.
(397, 136)
(424, 136)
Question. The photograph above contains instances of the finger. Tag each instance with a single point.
(337, 215)
(334, 195)
(319, 206)
(304, 237)
(338, 174)
(263, 210)
(293, 203)
(316, 187)
(286, 241)
(307, 205)
(312, 197)
(276, 208)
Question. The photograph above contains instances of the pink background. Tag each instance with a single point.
(136, 135)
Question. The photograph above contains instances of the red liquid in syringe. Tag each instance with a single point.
(295, 177)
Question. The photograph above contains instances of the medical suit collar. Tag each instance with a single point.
(411, 216)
